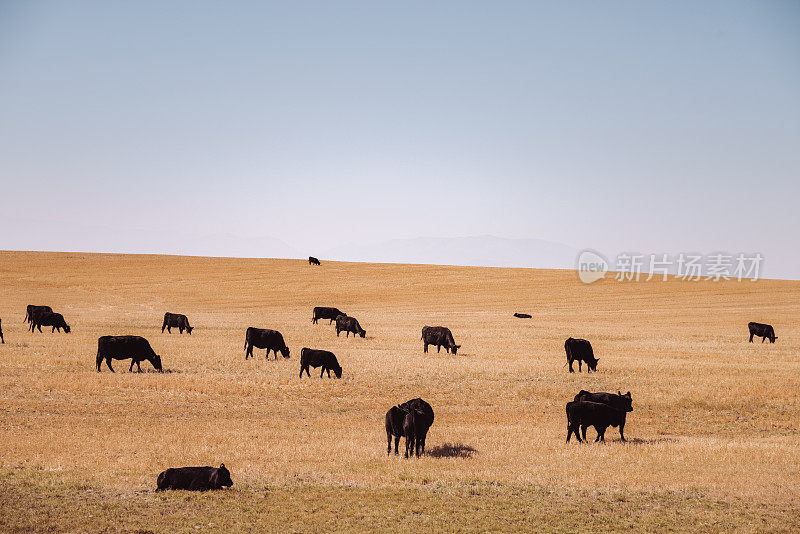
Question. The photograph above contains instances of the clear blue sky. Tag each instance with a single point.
(651, 126)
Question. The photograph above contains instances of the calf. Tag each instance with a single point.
(324, 312)
(319, 358)
(764, 331)
(313, 261)
(136, 348)
(56, 320)
(621, 402)
(440, 336)
(176, 320)
(262, 338)
(596, 414)
(348, 324)
(580, 350)
(194, 478)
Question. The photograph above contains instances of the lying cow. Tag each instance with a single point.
(764, 331)
(56, 320)
(580, 350)
(136, 348)
(621, 402)
(324, 312)
(2, 340)
(345, 323)
(313, 261)
(414, 428)
(262, 338)
(319, 358)
(522, 315)
(586, 413)
(176, 320)
(194, 478)
(32, 310)
(441, 337)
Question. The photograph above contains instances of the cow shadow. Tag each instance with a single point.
(648, 441)
(451, 450)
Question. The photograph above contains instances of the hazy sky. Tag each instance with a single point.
(654, 126)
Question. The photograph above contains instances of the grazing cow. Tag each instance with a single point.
(56, 320)
(194, 478)
(319, 358)
(136, 348)
(439, 336)
(580, 350)
(764, 331)
(621, 402)
(32, 310)
(349, 324)
(522, 315)
(313, 261)
(261, 338)
(596, 414)
(176, 320)
(421, 422)
(2, 340)
(324, 312)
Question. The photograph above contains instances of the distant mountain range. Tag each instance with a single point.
(484, 251)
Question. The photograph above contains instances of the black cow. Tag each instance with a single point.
(136, 348)
(319, 358)
(323, 312)
(596, 414)
(313, 261)
(2, 340)
(580, 350)
(32, 310)
(417, 429)
(56, 320)
(621, 402)
(439, 336)
(345, 323)
(261, 338)
(764, 331)
(522, 315)
(176, 320)
(194, 478)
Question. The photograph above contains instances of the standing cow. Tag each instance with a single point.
(345, 323)
(411, 419)
(324, 312)
(136, 348)
(764, 331)
(262, 338)
(56, 320)
(441, 337)
(313, 261)
(621, 402)
(586, 413)
(32, 310)
(580, 350)
(319, 358)
(176, 320)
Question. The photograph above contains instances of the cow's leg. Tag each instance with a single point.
(180, 330)
(163, 326)
(571, 370)
(39, 327)
(139, 365)
(426, 348)
(622, 431)
(108, 363)
(389, 443)
(601, 433)
(331, 321)
(337, 332)
(583, 431)
(751, 337)
(579, 365)
(132, 362)
(438, 348)
(570, 430)
(763, 339)
(396, 445)
(322, 373)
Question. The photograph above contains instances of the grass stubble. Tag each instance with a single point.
(713, 438)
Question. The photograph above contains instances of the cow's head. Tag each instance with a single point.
(67, 328)
(156, 361)
(337, 371)
(592, 364)
(627, 402)
(362, 333)
(221, 477)
(189, 329)
(285, 352)
(455, 349)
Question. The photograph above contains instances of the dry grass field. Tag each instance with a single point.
(713, 439)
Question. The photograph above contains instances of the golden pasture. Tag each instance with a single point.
(713, 438)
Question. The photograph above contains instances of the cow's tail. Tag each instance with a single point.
(246, 335)
(26, 317)
(99, 358)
